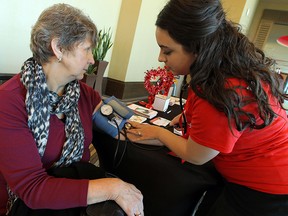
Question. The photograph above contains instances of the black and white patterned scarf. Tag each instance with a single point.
(41, 103)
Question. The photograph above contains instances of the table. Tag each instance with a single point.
(169, 187)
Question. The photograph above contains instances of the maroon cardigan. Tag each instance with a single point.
(20, 164)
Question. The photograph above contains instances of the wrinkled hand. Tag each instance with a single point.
(128, 197)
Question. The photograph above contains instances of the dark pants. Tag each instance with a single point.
(169, 187)
(79, 170)
(237, 200)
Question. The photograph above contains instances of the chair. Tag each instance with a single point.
(95, 80)
(4, 77)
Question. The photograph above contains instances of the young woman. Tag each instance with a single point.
(234, 113)
(46, 121)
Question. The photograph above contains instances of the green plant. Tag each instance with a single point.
(99, 52)
(103, 44)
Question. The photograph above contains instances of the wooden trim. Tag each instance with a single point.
(124, 90)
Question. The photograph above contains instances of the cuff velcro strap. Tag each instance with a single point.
(119, 107)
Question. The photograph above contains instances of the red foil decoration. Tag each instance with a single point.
(162, 85)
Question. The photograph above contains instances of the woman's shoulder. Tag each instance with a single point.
(12, 100)
(12, 89)
(87, 90)
(11, 84)
(233, 82)
(89, 94)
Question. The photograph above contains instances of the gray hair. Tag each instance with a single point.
(64, 22)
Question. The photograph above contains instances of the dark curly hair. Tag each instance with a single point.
(223, 52)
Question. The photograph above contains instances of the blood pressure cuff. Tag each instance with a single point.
(119, 107)
(121, 113)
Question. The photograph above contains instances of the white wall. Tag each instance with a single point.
(276, 51)
(18, 16)
(265, 4)
(272, 49)
(144, 54)
(145, 50)
(248, 14)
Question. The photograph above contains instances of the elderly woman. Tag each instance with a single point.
(46, 120)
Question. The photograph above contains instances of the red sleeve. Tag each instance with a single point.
(20, 163)
(209, 127)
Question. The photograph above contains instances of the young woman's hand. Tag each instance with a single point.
(140, 132)
(175, 120)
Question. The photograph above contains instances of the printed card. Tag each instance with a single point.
(160, 121)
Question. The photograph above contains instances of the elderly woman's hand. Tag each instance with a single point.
(126, 195)
(129, 198)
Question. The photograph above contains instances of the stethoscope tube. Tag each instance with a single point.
(183, 89)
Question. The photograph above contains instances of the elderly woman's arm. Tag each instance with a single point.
(126, 195)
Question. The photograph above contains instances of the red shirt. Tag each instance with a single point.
(20, 164)
(254, 158)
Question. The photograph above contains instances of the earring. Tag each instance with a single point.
(59, 59)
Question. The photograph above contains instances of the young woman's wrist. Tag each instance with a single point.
(160, 132)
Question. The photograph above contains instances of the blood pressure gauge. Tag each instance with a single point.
(107, 110)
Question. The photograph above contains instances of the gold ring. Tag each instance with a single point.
(139, 134)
